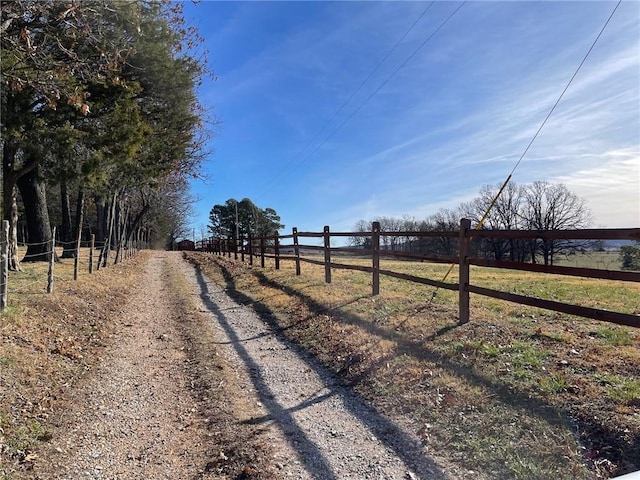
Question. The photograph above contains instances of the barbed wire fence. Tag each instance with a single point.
(66, 261)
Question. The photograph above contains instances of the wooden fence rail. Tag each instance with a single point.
(271, 248)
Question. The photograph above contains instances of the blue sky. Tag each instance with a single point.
(457, 115)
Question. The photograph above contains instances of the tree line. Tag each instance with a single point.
(537, 206)
(101, 126)
(241, 219)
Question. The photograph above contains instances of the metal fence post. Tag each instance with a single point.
(463, 275)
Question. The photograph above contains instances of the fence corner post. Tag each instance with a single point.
(375, 258)
(4, 264)
(463, 274)
(296, 249)
(327, 254)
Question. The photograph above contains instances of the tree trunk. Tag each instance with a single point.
(33, 193)
(66, 232)
(137, 221)
(122, 238)
(79, 214)
(10, 203)
(101, 218)
(107, 244)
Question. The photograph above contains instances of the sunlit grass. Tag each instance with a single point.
(513, 366)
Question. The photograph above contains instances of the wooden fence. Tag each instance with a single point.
(272, 248)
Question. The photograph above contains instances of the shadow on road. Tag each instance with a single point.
(310, 455)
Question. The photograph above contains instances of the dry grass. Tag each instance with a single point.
(47, 342)
(517, 393)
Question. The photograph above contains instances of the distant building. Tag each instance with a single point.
(185, 245)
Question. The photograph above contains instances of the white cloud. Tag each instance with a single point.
(612, 189)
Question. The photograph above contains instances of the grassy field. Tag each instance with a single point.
(518, 392)
(601, 260)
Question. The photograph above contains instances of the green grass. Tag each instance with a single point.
(554, 383)
(614, 336)
(617, 296)
(6, 361)
(526, 355)
(600, 260)
(620, 388)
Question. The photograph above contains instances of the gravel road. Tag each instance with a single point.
(134, 417)
(323, 431)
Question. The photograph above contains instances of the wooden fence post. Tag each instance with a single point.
(250, 240)
(463, 275)
(375, 257)
(235, 247)
(296, 249)
(262, 252)
(76, 260)
(276, 248)
(241, 249)
(91, 247)
(327, 255)
(52, 259)
(4, 264)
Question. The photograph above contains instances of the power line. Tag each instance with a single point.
(413, 54)
(506, 182)
(377, 67)
(565, 88)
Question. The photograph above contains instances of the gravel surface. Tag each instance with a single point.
(134, 416)
(323, 431)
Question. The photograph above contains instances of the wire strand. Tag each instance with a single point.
(506, 182)
(377, 67)
(566, 88)
(285, 175)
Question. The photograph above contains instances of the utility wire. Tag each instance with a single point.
(565, 88)
(366, 100)
(357, 90)
(506, 182)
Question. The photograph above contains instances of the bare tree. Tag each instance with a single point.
(444, 220)
(549, 206)
(361, 226)
(501, 213)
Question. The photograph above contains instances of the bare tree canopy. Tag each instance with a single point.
(537, 206)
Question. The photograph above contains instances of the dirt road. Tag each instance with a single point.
(152, 409)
